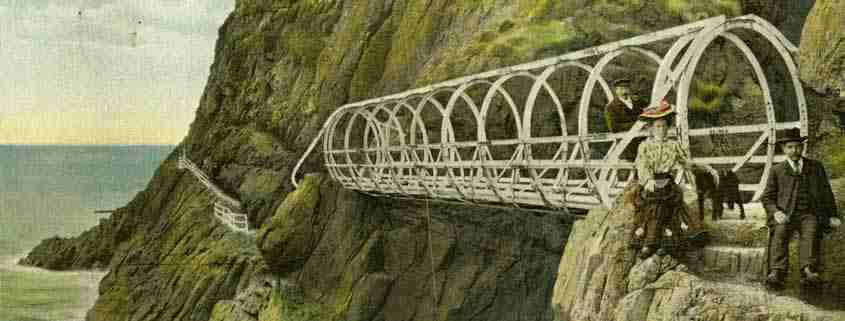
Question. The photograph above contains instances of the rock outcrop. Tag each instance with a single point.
(822, 58)
(91, 249)
(599, 278)
(593, 272)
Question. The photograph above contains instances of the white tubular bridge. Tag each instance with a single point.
(387, 146)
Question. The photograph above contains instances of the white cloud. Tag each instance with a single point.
(58, 63)
(117, 22)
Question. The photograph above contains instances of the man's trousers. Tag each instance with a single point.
(806, 224)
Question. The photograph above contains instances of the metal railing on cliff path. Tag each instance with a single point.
(223, 206)
(384, 145)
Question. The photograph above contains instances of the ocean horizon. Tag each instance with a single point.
(52, 190)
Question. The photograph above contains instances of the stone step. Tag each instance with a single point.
(753, 211)
(744, 233)
(744, 263)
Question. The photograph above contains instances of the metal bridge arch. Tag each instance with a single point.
(535, 91)
(398, 157)
(768, 131)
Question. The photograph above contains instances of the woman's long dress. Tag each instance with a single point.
(662, 212)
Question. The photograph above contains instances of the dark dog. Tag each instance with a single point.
(726, 192)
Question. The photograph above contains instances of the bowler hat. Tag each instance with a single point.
(658, 111)
(792, 135)
(622, 82)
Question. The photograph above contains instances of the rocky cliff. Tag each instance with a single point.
(600, 278)
(324, 253)
(364, 258)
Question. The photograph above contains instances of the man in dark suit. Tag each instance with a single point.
(797, 198)
(622, 112)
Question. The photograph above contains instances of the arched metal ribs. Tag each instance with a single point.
(406, 143)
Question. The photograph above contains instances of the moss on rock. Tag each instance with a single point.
(287, 241)
(282, 308)
(822, 58)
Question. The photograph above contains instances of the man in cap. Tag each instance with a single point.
(622, 112)
(797, 198)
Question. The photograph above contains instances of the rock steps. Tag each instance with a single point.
(746, 263)
(743, 233)
(737, 247)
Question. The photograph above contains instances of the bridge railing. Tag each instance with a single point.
(234, 220)
(185, 163)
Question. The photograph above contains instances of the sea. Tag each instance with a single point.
(50, 191)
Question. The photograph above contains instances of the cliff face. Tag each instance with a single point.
(363, 258)
(324, 253)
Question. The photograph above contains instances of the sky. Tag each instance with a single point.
(104, 71)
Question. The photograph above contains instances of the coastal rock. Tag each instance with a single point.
(93, 249)
(55, 253)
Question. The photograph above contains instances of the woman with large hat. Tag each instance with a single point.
(662, 222)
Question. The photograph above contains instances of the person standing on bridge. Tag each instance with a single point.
(662, 223)
(797, 197)
(622, 112)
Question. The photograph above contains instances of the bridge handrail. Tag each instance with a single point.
(184, 162)
(233, 220)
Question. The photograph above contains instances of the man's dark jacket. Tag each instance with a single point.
(618, 117)
(782, 186)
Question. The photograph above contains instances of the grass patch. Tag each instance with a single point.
(695, 10)
(707, 97)
(263, 142)
(522, 44)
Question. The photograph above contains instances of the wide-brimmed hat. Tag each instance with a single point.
(791, 135)
(657, 111)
